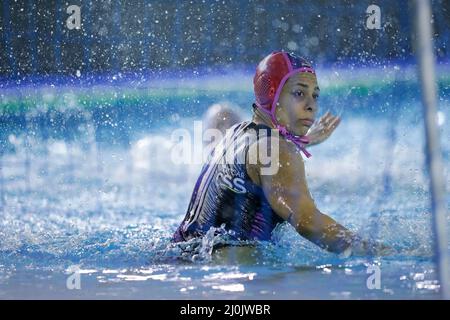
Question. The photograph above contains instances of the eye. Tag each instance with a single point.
(299, 93)
(315, 96)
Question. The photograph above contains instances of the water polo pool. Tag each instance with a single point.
(87, 181)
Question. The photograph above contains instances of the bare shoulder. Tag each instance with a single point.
(273, 156)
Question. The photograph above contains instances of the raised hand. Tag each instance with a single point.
(323, 128)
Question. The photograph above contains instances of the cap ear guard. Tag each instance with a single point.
(264, 90)
(272, 92)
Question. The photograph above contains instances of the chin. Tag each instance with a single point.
(301, 131)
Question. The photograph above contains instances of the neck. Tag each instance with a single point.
(260, 117)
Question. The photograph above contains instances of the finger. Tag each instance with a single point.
(331, 117)
(333, 124)
(335, 120)
(328, 120)
(330, 124)
(327, 116)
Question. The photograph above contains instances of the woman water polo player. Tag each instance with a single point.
(238, 197)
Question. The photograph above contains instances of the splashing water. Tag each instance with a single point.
(112, 210)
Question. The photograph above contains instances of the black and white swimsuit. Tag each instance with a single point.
(225, 195)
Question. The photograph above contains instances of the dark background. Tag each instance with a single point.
(154, 35)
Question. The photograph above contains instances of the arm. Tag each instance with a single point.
(323, 231)
(288, 195)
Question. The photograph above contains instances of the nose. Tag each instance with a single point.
(311, 105)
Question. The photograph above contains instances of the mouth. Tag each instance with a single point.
(307, 122)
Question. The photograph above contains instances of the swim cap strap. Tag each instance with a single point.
(299, 141)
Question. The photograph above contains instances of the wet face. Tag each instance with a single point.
(297, 104)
